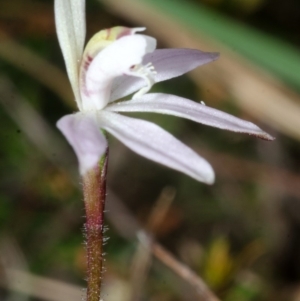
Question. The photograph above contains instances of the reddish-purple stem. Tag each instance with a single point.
(94, 188)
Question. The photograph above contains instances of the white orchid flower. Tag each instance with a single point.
(116, 63)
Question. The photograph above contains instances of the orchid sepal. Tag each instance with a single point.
(84, 135)
(150, 141)
(185, 108)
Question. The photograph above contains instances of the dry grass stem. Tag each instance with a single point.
(143, 256)
(140, 266)
(184, 272)
(35, 66)
(40, 287)
(16, 278)
(160, 209)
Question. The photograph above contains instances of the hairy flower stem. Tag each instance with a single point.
(94, 189)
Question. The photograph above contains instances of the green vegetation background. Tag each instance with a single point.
(240, 235)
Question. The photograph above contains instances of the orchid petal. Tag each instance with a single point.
(151, 141)
(116, 59)
(168, 63)
(185, 108)
(78, 12)
(150, 42)
(71, 28)
(84, 135)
